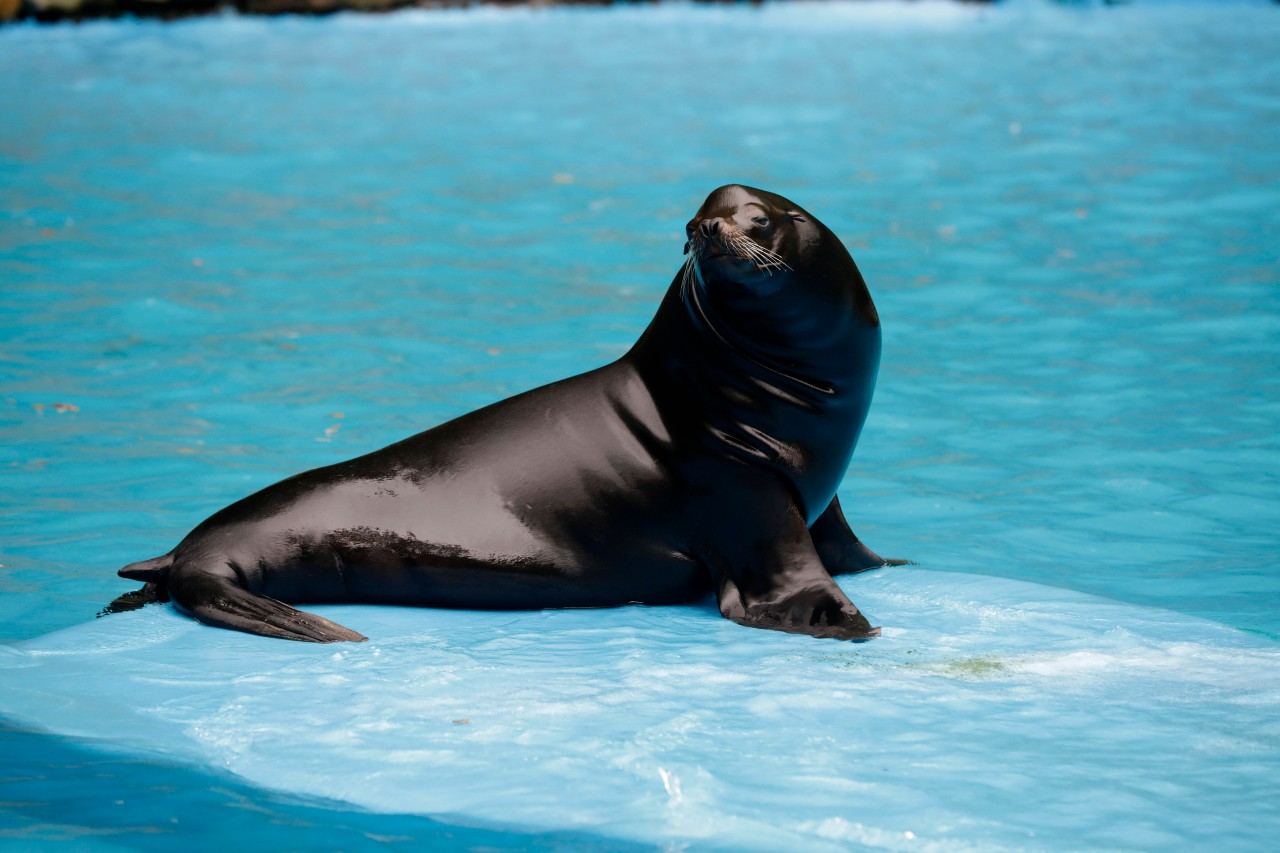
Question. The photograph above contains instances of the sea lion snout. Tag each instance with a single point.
(706, 228)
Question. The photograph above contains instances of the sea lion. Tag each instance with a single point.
(705, 459)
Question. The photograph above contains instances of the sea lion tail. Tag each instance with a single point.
(148, 571)
(154, 574)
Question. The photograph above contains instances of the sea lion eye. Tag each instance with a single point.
(762, 221)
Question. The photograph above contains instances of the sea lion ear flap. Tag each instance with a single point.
(796, 216)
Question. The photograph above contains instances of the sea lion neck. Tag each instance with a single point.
(768, 335)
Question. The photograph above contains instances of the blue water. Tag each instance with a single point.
(232, 249)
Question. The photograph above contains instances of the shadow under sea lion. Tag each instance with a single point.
(705, 459)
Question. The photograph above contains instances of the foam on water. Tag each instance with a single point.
(993, 714)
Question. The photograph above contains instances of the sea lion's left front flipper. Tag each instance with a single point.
(775, 579)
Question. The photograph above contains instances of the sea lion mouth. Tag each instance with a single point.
(714, 253)
(738, 259)
(733, 245)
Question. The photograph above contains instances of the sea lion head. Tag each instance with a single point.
(768, 271)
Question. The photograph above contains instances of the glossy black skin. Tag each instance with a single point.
(705, 459)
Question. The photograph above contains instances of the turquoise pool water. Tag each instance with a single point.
(232, 249)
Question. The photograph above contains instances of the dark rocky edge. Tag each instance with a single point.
(50, 11)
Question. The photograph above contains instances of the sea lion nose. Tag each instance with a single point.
(710, 227)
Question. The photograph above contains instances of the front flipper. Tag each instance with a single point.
(780, 583)
(220, 601)
(842, 552)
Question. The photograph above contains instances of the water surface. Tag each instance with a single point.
(232, 249)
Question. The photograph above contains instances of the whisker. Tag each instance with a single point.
(772, 256)
(738, 244)
(687, 275)
(764, 258)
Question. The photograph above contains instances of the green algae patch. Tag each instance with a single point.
(975, 667)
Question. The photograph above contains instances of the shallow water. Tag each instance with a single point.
(671, 725)
(233, 249)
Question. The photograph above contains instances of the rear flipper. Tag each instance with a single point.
(216, 601)
(151, 593)
(220, 600)
(153, 574)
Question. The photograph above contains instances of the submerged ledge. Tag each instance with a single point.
(53, 11)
